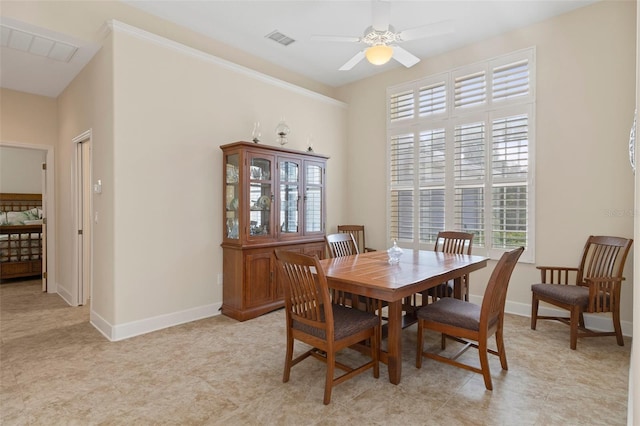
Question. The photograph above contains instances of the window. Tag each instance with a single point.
(460, 155)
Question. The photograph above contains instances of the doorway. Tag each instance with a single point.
(48, 205)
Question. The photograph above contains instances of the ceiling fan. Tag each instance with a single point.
(382, 39)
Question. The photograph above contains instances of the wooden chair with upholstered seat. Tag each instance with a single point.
(327, 327)
(344, 244)
(469, 323)
(448, 242)
(458, 243)
(596, 288)
(339, 245)
(358, 235)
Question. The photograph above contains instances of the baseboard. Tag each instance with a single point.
(66, 296)
(147, 325)
(596, 322)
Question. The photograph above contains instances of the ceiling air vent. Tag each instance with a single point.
(37, 44)
(278, 37)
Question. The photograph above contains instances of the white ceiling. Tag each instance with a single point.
(244, 25)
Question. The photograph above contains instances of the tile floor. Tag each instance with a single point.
(57, 369)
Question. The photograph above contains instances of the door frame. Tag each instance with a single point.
(49, 205)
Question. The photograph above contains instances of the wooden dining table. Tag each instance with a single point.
(370, 274)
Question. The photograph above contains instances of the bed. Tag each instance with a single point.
(21, 245)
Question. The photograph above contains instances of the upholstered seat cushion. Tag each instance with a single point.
(569, 294)
(453, 312)
(347, 321)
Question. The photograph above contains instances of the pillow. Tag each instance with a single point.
(14, 218)
(34, 213)
(33, 222)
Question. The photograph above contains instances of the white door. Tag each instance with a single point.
(82, 196)
(44, 227)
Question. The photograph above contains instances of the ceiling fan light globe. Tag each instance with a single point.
(379, 54)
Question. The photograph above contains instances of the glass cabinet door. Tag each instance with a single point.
(289, 181)
(313, 197)
(232, 196)
(260, 196)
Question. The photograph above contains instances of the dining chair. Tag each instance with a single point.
(446, 242)
(344, 244)
(596, 287)
(311, 318)
(470, 323)
(340, 245)
(358, 235)
(458, 243)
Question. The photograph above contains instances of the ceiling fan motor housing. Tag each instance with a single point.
(373, 37)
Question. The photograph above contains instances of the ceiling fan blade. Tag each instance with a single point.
(352, 39)
(353, 61)
(380, 15)
(404, 57)
(431, 30)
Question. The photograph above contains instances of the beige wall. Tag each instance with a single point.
(585, 104)
(173, 109)
(21, 170)
(87, 105)
(28, 119)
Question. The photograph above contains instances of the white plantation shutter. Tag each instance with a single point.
(470, 90)
(431, 177)
(460, 156)
(432, 99)
(469, 211)
(510, 81)
(510, 166)
(432, 157)
(402, 160)
(432, 213)
(402, 163)
(402, 215)
(401, 105)
(469, 161)
(469, 179)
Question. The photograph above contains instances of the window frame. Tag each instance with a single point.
(488, 112)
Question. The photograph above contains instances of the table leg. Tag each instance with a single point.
(394, 341)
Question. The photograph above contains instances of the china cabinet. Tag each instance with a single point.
(272, 198)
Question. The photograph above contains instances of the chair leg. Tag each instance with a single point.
(419, 345)
(288, 359)
(617, 327)
(534, 310)
(500, 345)
(484, 363)
(331, 362)
(576, 314)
